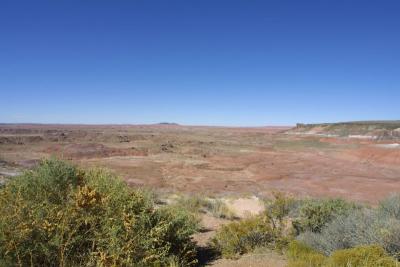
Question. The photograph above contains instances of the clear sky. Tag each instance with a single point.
(208, 62)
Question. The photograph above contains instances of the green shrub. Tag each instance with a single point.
(389, 235)
(365, 256)
(301, 255)
(244, 236)
(240, 237)
(388, 223)
(390, 206)
(315, 214)
(346, 231)
(361, 227)
(278, 208)
(58, 215)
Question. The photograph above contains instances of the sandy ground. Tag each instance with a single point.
(216, 160)
(244, 207)
(266, 259)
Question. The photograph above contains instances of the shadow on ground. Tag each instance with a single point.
(206, 255)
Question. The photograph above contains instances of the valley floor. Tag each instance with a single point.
(215, 160)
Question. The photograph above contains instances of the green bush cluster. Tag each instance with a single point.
(243, 236)
(390, 207)
(58, 215)
(301, 255)
(278, 208)
(316, 213)
(363, 226)
(346, 231)
(267, 230)
(365, 256)
(327, 232)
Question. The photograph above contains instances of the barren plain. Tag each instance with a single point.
(214, 160)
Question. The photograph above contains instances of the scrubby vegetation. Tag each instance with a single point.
(352, 230)
(319, 232)
(267, 230)
(366, 256)
(244, 236)
(58, 215)
(301, 255)
(315, 214)
(199, 204)
(365, 226)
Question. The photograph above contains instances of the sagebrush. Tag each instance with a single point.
(300, 255)
(59, 215)
(316, 213)
(363, 226)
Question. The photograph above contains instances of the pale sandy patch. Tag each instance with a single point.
(265, 259)
(243, 207)
(395, 145)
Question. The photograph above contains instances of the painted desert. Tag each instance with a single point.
(359, 163)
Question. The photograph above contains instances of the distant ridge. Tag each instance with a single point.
(378, 129)
(372, 122)
(168, 123)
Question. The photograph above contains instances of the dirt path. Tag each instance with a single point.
(266, 259)
(242, 207)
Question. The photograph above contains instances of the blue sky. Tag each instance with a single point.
(207, 62)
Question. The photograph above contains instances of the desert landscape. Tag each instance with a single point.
(355, 162)
(247, 196)
(200, 133)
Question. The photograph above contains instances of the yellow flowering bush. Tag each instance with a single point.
(58, 215)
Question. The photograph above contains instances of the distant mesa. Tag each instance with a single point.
(380, 130)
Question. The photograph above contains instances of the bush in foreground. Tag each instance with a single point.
(344, 232)
(58, 215)
(316, 213)
(361, 227)
(366, 256)
(301, 255)
(246, 235)
(390, 206)
(279, 208)
(271, 229)
(243, 236)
